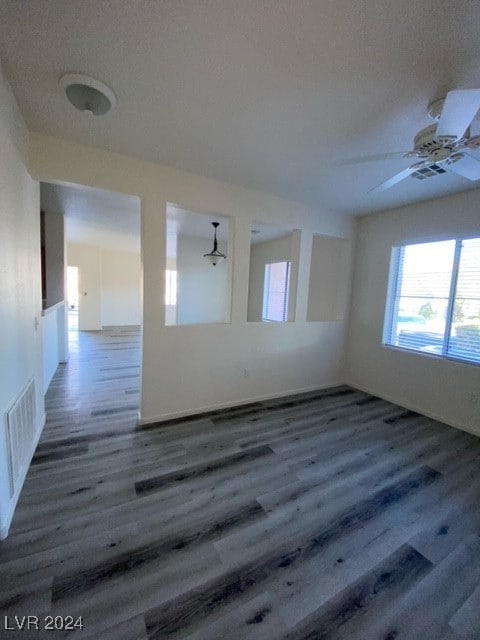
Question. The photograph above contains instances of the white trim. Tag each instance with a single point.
(13, 502)
(232, 403)
(391, 304)
(412, 407)
(452, 294)
(54, 307)
(434, 356)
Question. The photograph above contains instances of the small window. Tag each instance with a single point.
(433, 304)
(275, 292)
(170, 287)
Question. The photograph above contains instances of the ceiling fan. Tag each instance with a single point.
(442, 147)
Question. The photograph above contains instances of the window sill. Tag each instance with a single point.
(429, 354)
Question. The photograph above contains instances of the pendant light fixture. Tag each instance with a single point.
(215, 255)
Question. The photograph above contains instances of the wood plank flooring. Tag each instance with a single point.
(327, 515)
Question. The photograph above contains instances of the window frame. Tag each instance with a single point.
(392, 300)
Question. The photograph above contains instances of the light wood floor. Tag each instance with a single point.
(327, 516)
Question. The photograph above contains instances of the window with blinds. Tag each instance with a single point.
(275, 292)
(433, 304)
(170, 287)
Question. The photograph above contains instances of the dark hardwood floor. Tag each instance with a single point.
(329, 515)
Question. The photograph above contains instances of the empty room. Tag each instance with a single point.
(240, 319)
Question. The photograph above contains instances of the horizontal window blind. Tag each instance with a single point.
(434, 305)
(275, 293)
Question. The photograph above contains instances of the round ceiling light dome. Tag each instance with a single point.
(88, 94)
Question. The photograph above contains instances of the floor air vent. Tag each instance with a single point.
(20, 432)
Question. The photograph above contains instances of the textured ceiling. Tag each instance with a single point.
(276, 95)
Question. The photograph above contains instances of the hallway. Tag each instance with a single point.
(91, 403)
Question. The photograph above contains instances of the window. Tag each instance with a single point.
(275, 292)
(170, 287)
(433, 304)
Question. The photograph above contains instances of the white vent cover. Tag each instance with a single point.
(20, 425)
(428, 172)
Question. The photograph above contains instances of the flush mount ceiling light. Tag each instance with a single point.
(215, 255)
(88, 94)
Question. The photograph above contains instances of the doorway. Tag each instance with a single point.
(72, 297)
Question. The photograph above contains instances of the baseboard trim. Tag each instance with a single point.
(412, 407)
(204, 411)
(13, 502)
(121, 327)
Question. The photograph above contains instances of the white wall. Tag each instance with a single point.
(191, 368)
(54, 257)
(329, 279)
(88, 259)
(108, 285)
(120, 293)
(20, 283)
(52, 321)
(440, 388)
(261, 253)
(201, 287)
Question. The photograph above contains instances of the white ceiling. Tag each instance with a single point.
(271, 94)
(95, 217)
(181, 221)
(112, 220)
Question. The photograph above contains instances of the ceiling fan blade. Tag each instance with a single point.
(458, 111)
(468, 167)
(391, 182)
(374, 158)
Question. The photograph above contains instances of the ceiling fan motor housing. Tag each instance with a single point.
(427, 145)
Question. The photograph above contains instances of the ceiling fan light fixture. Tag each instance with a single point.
(215, 255)
(87, 94)
(434, 109)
